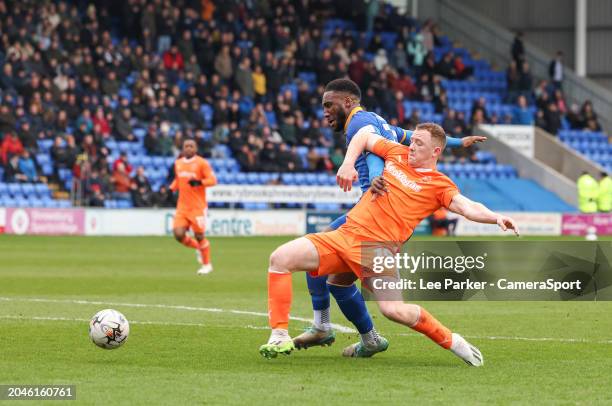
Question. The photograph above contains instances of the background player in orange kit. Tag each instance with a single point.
(193, 175)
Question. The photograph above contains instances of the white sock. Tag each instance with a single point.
(279, 335)
(321, 320)
(371, 338)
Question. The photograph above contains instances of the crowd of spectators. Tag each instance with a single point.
(551, 107)
(82, 74)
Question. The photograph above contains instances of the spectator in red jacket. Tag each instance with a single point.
(173, 59)
(357, 67)
(123, 159)
(11, 145)
(405, 85)
(121, 183)
(462, 72)
(399, 111)
(101, 125)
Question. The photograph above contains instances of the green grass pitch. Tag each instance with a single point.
(195, 339)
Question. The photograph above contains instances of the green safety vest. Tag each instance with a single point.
(604, 200)
(588, 194)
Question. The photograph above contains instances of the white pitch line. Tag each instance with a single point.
(339, 327)
(251, 327)
(156, 323)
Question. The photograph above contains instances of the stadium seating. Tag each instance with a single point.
(482, 180)
(593, 145)
(513, 194)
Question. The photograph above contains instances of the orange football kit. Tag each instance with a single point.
(191, 207)
(413, 194)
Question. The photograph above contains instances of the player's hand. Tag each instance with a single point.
(378, 186)
(195, 182)
(346, 176)
(472, 139)
(505, 223)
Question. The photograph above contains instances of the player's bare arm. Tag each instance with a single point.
(471, 140)
(479, 213)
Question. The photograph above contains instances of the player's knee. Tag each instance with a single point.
(279, 262)
(179, 234)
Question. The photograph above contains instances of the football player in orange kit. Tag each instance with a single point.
(193, 174)
(415, 189)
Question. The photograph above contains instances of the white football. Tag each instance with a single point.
(109, 329)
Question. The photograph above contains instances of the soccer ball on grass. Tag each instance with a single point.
(109, 329)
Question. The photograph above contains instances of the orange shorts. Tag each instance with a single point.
(342, 251)
(196, 220)
(339, 251)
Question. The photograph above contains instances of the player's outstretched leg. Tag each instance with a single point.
(320, 333)
(296, 255)
(419, 319)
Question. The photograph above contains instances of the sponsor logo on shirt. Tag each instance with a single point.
(186, 174)
(402, 177)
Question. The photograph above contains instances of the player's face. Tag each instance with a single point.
(334, 109)
(422, 150)
(189, 149)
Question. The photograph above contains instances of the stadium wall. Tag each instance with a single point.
(154, 222)
(567, 161)
(158, 222)
(516, 145)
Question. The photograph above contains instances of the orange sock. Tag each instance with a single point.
(279, 299)
(189, 242)
(204, 248)
(432, 328)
